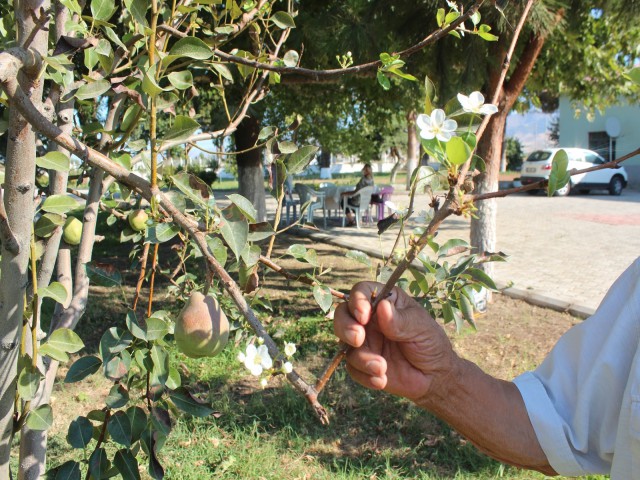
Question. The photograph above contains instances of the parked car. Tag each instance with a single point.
(538, 167)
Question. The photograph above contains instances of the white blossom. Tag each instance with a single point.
(474, 103)
(257, 359)
(287, 367)
(289, 349)
(263, 382)
(436, 125)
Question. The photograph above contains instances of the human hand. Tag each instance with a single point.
(399, 348)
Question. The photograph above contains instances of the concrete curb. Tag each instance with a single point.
(528, 296)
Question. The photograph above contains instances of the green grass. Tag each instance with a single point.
(272, 433)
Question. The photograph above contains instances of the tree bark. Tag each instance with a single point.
(19, 204)
(483, 235)
(250, 169)
(413, 146)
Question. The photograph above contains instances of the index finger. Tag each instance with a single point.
(360, 298)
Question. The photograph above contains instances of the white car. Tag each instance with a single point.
(538, 166)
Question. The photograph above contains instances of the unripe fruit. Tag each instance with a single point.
(72, 231)
(202, 328)
(138, 220)
(43, 179)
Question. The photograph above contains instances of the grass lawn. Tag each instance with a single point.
(271, 433)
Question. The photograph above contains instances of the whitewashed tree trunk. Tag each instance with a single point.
(19, 205)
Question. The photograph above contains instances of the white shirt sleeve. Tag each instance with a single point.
(575, 397)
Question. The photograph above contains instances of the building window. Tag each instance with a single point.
(601, 142)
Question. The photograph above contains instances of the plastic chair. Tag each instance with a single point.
(332, 197)
(365, 198)
(290, 203)
(313, 200)
(384, 194)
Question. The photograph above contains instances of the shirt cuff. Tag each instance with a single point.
(548, 425)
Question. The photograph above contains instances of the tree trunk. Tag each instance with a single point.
(396, 166)
(413, 146)
(483, 224)
(250, 170)
(18, 201)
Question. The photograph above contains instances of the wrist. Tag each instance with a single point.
(444, 382)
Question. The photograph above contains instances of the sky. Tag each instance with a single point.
(530, 128)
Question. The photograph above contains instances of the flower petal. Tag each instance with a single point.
(437, 117)
(464, 100)
(444, 136)
(423, 121)
(251, 350)
(449, 125)
(427, 134)
(488, 109)
(256, 370)
(476, 98)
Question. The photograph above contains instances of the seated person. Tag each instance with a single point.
(354, 201)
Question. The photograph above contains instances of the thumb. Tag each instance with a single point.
(402, 324)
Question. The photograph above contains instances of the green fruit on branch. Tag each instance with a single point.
(202, 328)
(138, 220)
(42, 179)
(72, 231)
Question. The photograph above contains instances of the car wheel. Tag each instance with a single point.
(616, 185)
(533, 192)
(564, 191)
(584, 191)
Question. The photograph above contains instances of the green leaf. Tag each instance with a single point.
(57, 291)
(218, 249)
(149, 84)
(458, 151)
(559, 176)
(234, 229)
(283, 20)
(265, 133)
(184, 401)
(54, 161)
(102, 276)
(98, 463)
(634, 75)
(323, 296)
(260, 231)
(52, 352)
(173, 381)
(162, 232)
(119, 428)
(483, 32)
(47, 224)
(181, 80)
(41, 418)
(122, 158)
(117, 366)
(359, 257)
(92, 90)
(300, 159)
(384, 82)
(188, 48)
(183, 127)
(224, 71)
(102, 10)
(297, 251)
(454, 243)
(130, 116)
(118, 397)
(82, 368)
(69, 470)
(451, 16)
(160, 359)
(80, 432)
(126, 464)
(65, 340)
(138, 10)
(287, 147)
(28, 383)
(59, 204)
(245, 206)
(194, 188)
(156, 328)
(440, 14)
(482, 278)
(138, 420)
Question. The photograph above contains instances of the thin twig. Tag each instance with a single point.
(143, 272)
(154, 266)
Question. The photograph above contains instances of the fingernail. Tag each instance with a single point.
(351, 337)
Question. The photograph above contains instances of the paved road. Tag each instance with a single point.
(568, 250)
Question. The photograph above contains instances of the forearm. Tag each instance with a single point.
(490, 413)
